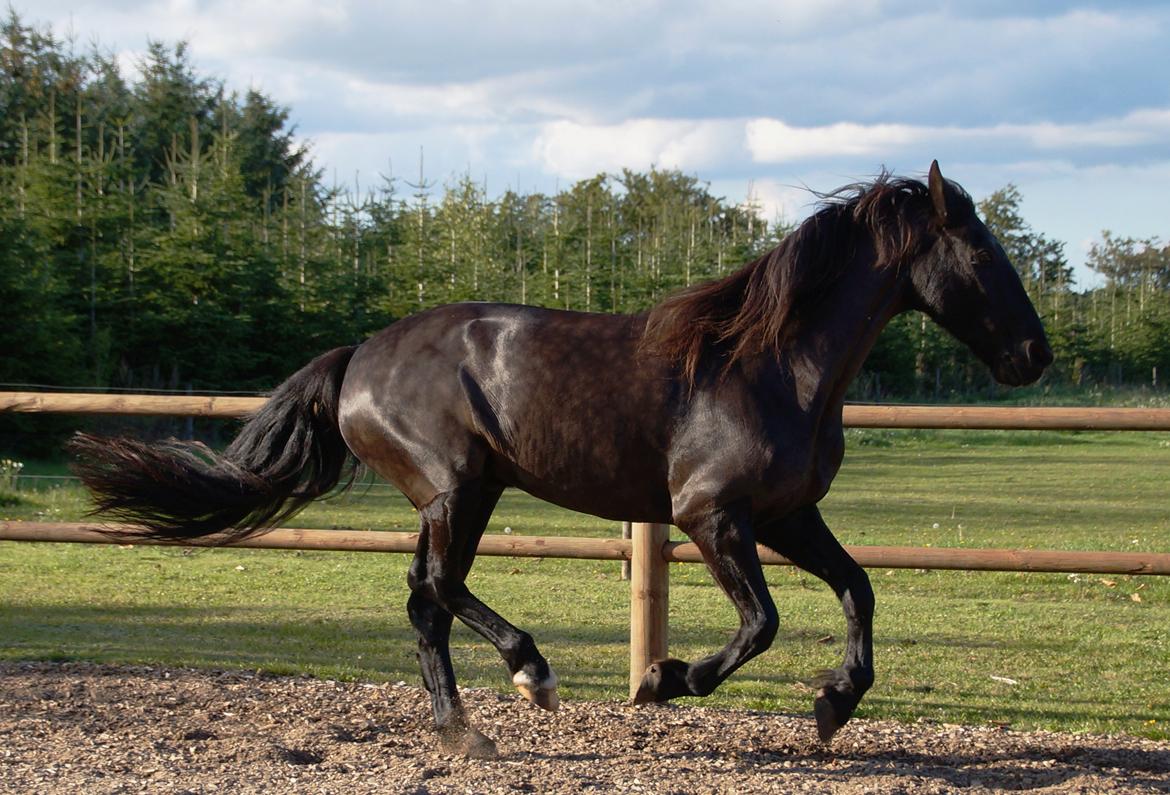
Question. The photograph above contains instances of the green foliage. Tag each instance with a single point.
(1135, 338)
(9, 472)
(163, 233)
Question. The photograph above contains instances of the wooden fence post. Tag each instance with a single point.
(649, 598)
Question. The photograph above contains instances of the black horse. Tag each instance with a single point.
(718, 411)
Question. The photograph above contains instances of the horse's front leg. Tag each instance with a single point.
(724, 537)
(805, 539)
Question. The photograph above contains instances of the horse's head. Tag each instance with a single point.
(966, 283)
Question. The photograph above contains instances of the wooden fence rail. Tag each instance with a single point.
(648, 549)
(856, 415)
(515, 546)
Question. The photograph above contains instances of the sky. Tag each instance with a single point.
(1068, 101)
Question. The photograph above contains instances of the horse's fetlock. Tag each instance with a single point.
(520, 651)
(526, 645)
(862, 679)
(699, 686)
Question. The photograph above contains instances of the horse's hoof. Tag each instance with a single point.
(542, 693)
(828, 722)
(836, 699)
(470, 743)
(663, 681)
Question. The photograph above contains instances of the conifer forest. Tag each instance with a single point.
(161, 232)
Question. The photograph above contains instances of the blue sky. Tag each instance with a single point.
(1069, 101)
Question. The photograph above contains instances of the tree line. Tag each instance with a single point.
(163, 232)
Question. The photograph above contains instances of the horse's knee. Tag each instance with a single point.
(858, 598)
(445, 590)
(420, 605)
(860, 603)
(415, 577)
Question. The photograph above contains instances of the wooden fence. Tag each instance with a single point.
(856, 415)
(649, 549)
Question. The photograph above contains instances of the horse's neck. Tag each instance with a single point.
(830, 350)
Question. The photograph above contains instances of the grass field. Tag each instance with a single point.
(1069, 652)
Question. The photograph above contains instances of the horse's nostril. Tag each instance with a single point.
(1038, 352)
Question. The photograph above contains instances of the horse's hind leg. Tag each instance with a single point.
(453, 523)
(531, 673)
(432, 623)
(806, 540)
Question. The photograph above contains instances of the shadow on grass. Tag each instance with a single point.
(1067, 710)
(253, 622)
(350, 646)
(367, 645)
(379, 645)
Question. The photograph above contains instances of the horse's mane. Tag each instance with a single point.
(764, 304)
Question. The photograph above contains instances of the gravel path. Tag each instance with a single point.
(81, 728)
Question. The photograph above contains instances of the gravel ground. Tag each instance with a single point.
(112, 729)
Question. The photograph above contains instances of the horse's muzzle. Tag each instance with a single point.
(1025, 364)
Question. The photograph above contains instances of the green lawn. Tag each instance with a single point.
(1085, 652)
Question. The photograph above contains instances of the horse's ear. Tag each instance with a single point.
(938, 193)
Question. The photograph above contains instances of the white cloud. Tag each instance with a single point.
(735, 25)
(494, 153)
(516, 97)
(575, 150)
(220, 29)
(1141, 127)
(774, 141)
(225, 29)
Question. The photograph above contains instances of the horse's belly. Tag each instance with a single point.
(612, 483)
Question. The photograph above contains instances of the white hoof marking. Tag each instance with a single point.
(542, 693)
(524, 679)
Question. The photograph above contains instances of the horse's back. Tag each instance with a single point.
(556, 403)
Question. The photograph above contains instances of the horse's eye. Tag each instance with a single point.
(982, 257)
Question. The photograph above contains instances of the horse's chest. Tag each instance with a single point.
(801, 474)
(800, 482)
(777, 473)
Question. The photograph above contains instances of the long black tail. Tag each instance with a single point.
(288, 454)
